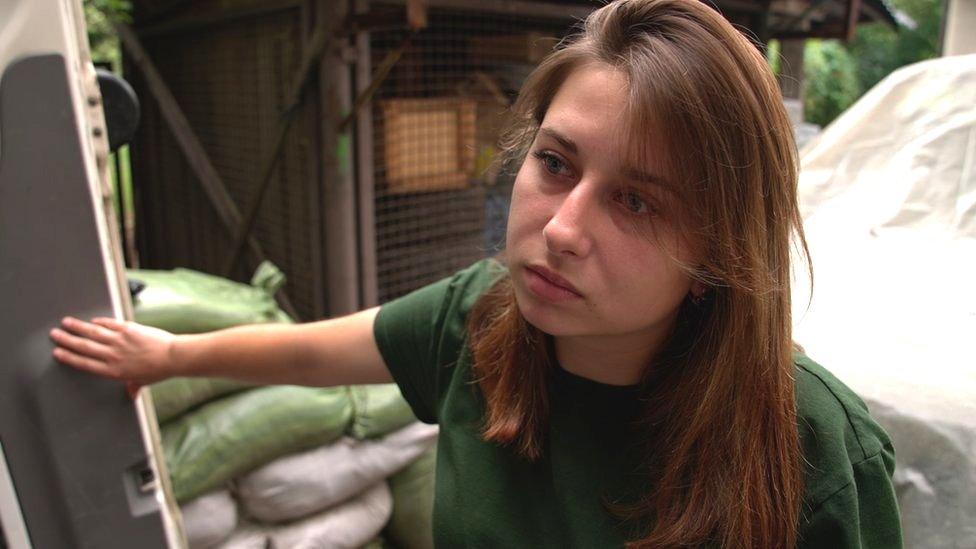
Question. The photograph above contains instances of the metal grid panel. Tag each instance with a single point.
(230, 80)
(437, 209)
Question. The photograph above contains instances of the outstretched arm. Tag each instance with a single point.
(339, 351)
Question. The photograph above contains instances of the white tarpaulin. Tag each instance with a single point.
(888, 195)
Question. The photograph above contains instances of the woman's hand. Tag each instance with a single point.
(126, 351)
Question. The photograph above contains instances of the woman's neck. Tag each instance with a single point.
(609, 359)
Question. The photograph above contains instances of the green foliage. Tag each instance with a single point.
(99, 15)
(837, 74)
(831, 79)
(879, 50)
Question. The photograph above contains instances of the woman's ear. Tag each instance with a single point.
(697, 292)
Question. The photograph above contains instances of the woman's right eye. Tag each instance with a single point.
(552, 163)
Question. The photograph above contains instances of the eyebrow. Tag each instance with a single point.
(630, 173)
(644, 177)
(562, 139)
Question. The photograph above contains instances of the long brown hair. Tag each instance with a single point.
(720, 395)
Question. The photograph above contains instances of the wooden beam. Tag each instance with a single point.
(193, 22)
(798, 23)
(853, 12)
(521, 8)
(390, 18)
(162, 10)
(828, 31)
(740, 6)
(190, 145)
(382, 71)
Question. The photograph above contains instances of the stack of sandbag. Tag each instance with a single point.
(227, 437)
(303, 483)
(297, 467)
(333, 496)
(282, 466)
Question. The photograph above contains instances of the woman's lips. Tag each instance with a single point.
(549, 286)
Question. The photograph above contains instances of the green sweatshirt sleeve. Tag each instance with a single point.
(407, 330)
(862, 514)
(422, 334)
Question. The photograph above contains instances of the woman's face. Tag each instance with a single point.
(589, 252)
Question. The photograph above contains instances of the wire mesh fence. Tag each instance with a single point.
(436, 118)
(439, 205)
(230, 79)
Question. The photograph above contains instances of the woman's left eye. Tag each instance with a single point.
(552, 163)
(633, 202)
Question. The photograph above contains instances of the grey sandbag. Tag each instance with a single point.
(349, 525)
(411, 526)
(174, 396)
(187, 302)
(378, 410)
(209, 519)
(247, 536)
(231, 436)
(301, 484)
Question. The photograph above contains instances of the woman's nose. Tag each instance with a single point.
(568, 231)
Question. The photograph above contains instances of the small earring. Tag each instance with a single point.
(698, 292)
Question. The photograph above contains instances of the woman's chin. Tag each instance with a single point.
(546, 319)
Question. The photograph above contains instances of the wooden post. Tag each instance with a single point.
(791, 68)
(853, 14)
(365, 182)
(761, 25)
(338, 183)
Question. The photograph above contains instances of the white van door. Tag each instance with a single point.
(78, 463)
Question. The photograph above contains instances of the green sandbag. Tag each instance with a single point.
(231, 436)
(411, 526)
(378, 410)
(188, 302)
(176, 395)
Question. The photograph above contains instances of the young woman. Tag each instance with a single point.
(625, 371)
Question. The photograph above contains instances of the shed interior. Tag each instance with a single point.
(383, 180)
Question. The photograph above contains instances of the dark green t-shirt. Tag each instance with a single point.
(486, 496)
